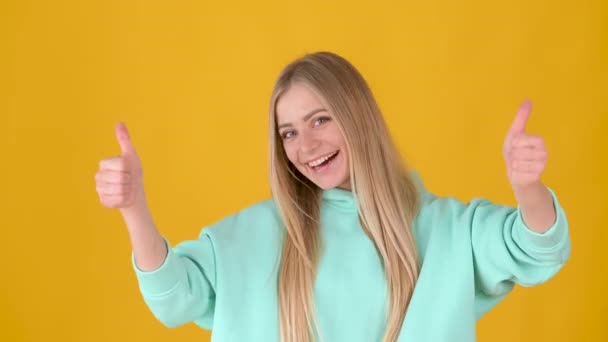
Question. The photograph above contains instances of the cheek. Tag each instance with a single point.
(341, 143)
(337, 139)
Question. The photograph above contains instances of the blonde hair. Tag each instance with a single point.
(386, 195)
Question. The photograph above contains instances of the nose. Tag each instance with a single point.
(308, 144)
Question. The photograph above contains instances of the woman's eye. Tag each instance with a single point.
(321, 120)
(287, 134)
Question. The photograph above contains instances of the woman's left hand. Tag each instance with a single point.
(524, 153)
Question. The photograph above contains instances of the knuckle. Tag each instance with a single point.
(100, 177)
(516, 153)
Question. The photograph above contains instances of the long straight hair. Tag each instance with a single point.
(387, 200)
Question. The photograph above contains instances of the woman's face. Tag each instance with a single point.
(312, 139)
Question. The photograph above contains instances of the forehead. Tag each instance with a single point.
(296, 102)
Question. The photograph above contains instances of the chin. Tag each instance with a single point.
(327, 184)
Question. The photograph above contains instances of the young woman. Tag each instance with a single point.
(351, 247)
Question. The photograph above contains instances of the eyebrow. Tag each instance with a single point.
(306, 117)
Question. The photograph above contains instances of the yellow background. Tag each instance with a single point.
(191, 79)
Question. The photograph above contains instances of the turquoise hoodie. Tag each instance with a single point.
(472, 255)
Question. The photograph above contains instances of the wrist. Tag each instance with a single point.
(529, 191)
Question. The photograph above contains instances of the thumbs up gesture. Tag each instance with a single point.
(524, 153)
(119, 179)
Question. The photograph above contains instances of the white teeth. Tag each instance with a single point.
(321, 160)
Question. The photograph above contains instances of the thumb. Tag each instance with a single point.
(124, 140)
(521, 118)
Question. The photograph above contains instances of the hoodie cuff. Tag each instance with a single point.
(162, 280)
(555, 238)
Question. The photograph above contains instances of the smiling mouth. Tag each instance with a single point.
(319, 163)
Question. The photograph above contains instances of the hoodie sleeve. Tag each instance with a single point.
(182, 289)
(507, 252)
(504, 250)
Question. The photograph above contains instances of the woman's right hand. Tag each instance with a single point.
(119, 179)
(120, 185)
